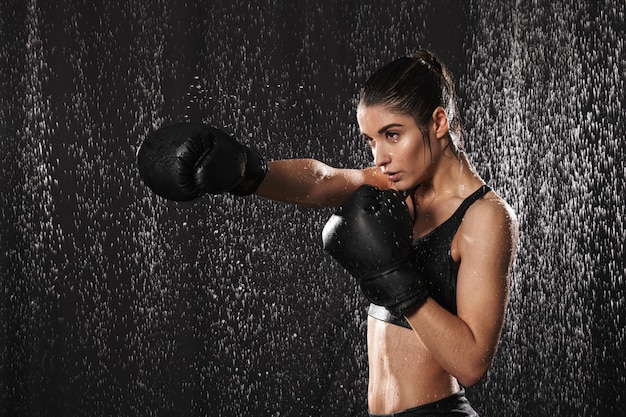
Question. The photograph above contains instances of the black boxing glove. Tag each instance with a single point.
(370, 236)
(184, 161)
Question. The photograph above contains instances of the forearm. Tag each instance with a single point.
(311, 183)
(452, 343)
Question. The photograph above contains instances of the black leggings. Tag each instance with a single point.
(455, 405)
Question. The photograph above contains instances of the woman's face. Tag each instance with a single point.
(397, 144)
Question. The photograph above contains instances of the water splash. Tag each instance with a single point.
(116, 302)
(548, 136)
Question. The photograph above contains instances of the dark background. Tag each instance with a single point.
(115, 302)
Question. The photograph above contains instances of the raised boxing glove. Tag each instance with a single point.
(184, 161)
(370, 236)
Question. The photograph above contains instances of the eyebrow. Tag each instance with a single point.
(387, 127)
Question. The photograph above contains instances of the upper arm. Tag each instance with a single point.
(487, 244)
(311, 183)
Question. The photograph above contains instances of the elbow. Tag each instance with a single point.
(470, 380)
(325, 187)
(475, 366)
(472, 375)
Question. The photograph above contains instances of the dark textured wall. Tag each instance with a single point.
(114, 302)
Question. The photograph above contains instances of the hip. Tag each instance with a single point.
(455, 405)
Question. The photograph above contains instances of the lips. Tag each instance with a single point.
(393, 176)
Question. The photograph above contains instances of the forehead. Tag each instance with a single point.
(372, 118)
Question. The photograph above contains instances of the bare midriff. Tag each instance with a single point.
(402, 372)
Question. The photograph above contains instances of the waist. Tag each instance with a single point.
(456, 402)
(402, 372)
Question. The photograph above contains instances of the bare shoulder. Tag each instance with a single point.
(491, 210)
(492, 222)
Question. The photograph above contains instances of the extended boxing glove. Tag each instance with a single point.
(184, 161)
(370, 236)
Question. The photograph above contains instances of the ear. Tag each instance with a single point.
(440, 122)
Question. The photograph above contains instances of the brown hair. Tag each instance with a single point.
(416, 85)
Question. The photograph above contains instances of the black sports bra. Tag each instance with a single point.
(432, 259)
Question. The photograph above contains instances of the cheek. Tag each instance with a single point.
(413, 154)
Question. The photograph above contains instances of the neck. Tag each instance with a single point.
(453, 176)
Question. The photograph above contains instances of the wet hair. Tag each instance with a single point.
(416, 85)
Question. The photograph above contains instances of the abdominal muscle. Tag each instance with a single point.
(402, 372)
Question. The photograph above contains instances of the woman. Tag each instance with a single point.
(465, 235)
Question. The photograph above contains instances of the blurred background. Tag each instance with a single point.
(116, 302)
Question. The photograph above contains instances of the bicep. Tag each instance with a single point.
(487, 246)
(311, 183)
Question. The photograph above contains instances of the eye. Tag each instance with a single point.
(392, 136)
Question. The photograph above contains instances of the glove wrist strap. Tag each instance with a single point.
(256, 170)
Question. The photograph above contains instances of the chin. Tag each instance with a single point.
(404, 186)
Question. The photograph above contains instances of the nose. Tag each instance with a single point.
(381, 154)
